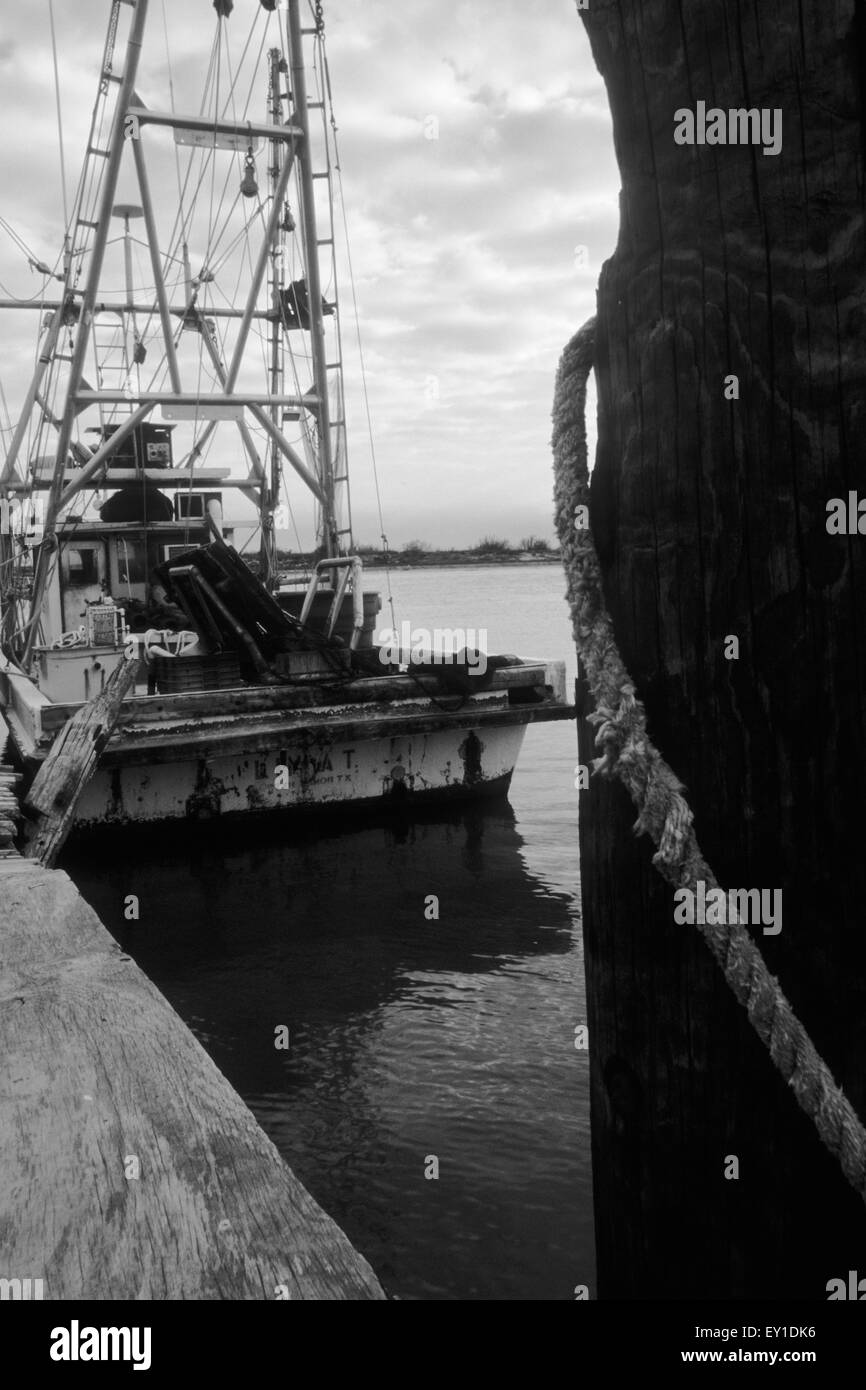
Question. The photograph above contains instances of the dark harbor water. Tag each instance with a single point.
(409, 1038)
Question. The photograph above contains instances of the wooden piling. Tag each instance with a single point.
(731, 386)
(131, 1169)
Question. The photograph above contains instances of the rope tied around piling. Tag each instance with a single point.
(628, 753)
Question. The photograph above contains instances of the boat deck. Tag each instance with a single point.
(156, 727)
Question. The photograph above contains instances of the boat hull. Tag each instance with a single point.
(311, 772)
(370, 743)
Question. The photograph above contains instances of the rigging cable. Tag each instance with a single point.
(172, 103)
(59, 115)
(340, 448)
(349, 263)
(33, 262)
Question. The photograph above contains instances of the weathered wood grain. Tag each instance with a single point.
(98, 1068)
(70, 763)
(10, 810)
(709, 520)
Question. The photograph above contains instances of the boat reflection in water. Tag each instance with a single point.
(412, 1036)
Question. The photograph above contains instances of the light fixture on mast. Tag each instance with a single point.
(128, 211)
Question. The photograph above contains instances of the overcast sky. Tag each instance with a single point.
(464, 245)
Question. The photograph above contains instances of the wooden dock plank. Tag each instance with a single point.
(98, 1069)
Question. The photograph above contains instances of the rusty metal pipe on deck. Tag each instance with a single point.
(237, 628)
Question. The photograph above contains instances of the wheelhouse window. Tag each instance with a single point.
(81, 566)
(131, 560)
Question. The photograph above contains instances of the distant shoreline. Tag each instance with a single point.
(442, 559)
(423, 562)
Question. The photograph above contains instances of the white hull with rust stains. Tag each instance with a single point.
(250, 751)
(312, 773)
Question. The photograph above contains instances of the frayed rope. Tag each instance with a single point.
(627, 752)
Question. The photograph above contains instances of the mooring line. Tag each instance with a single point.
(628, 753)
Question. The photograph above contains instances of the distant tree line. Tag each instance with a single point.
(488, 545)
(422, 552)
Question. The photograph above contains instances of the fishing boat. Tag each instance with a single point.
(216, 373)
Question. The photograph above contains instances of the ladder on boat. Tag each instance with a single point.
(322, 178)
(52, 360)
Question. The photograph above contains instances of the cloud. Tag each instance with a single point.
(476, 155)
